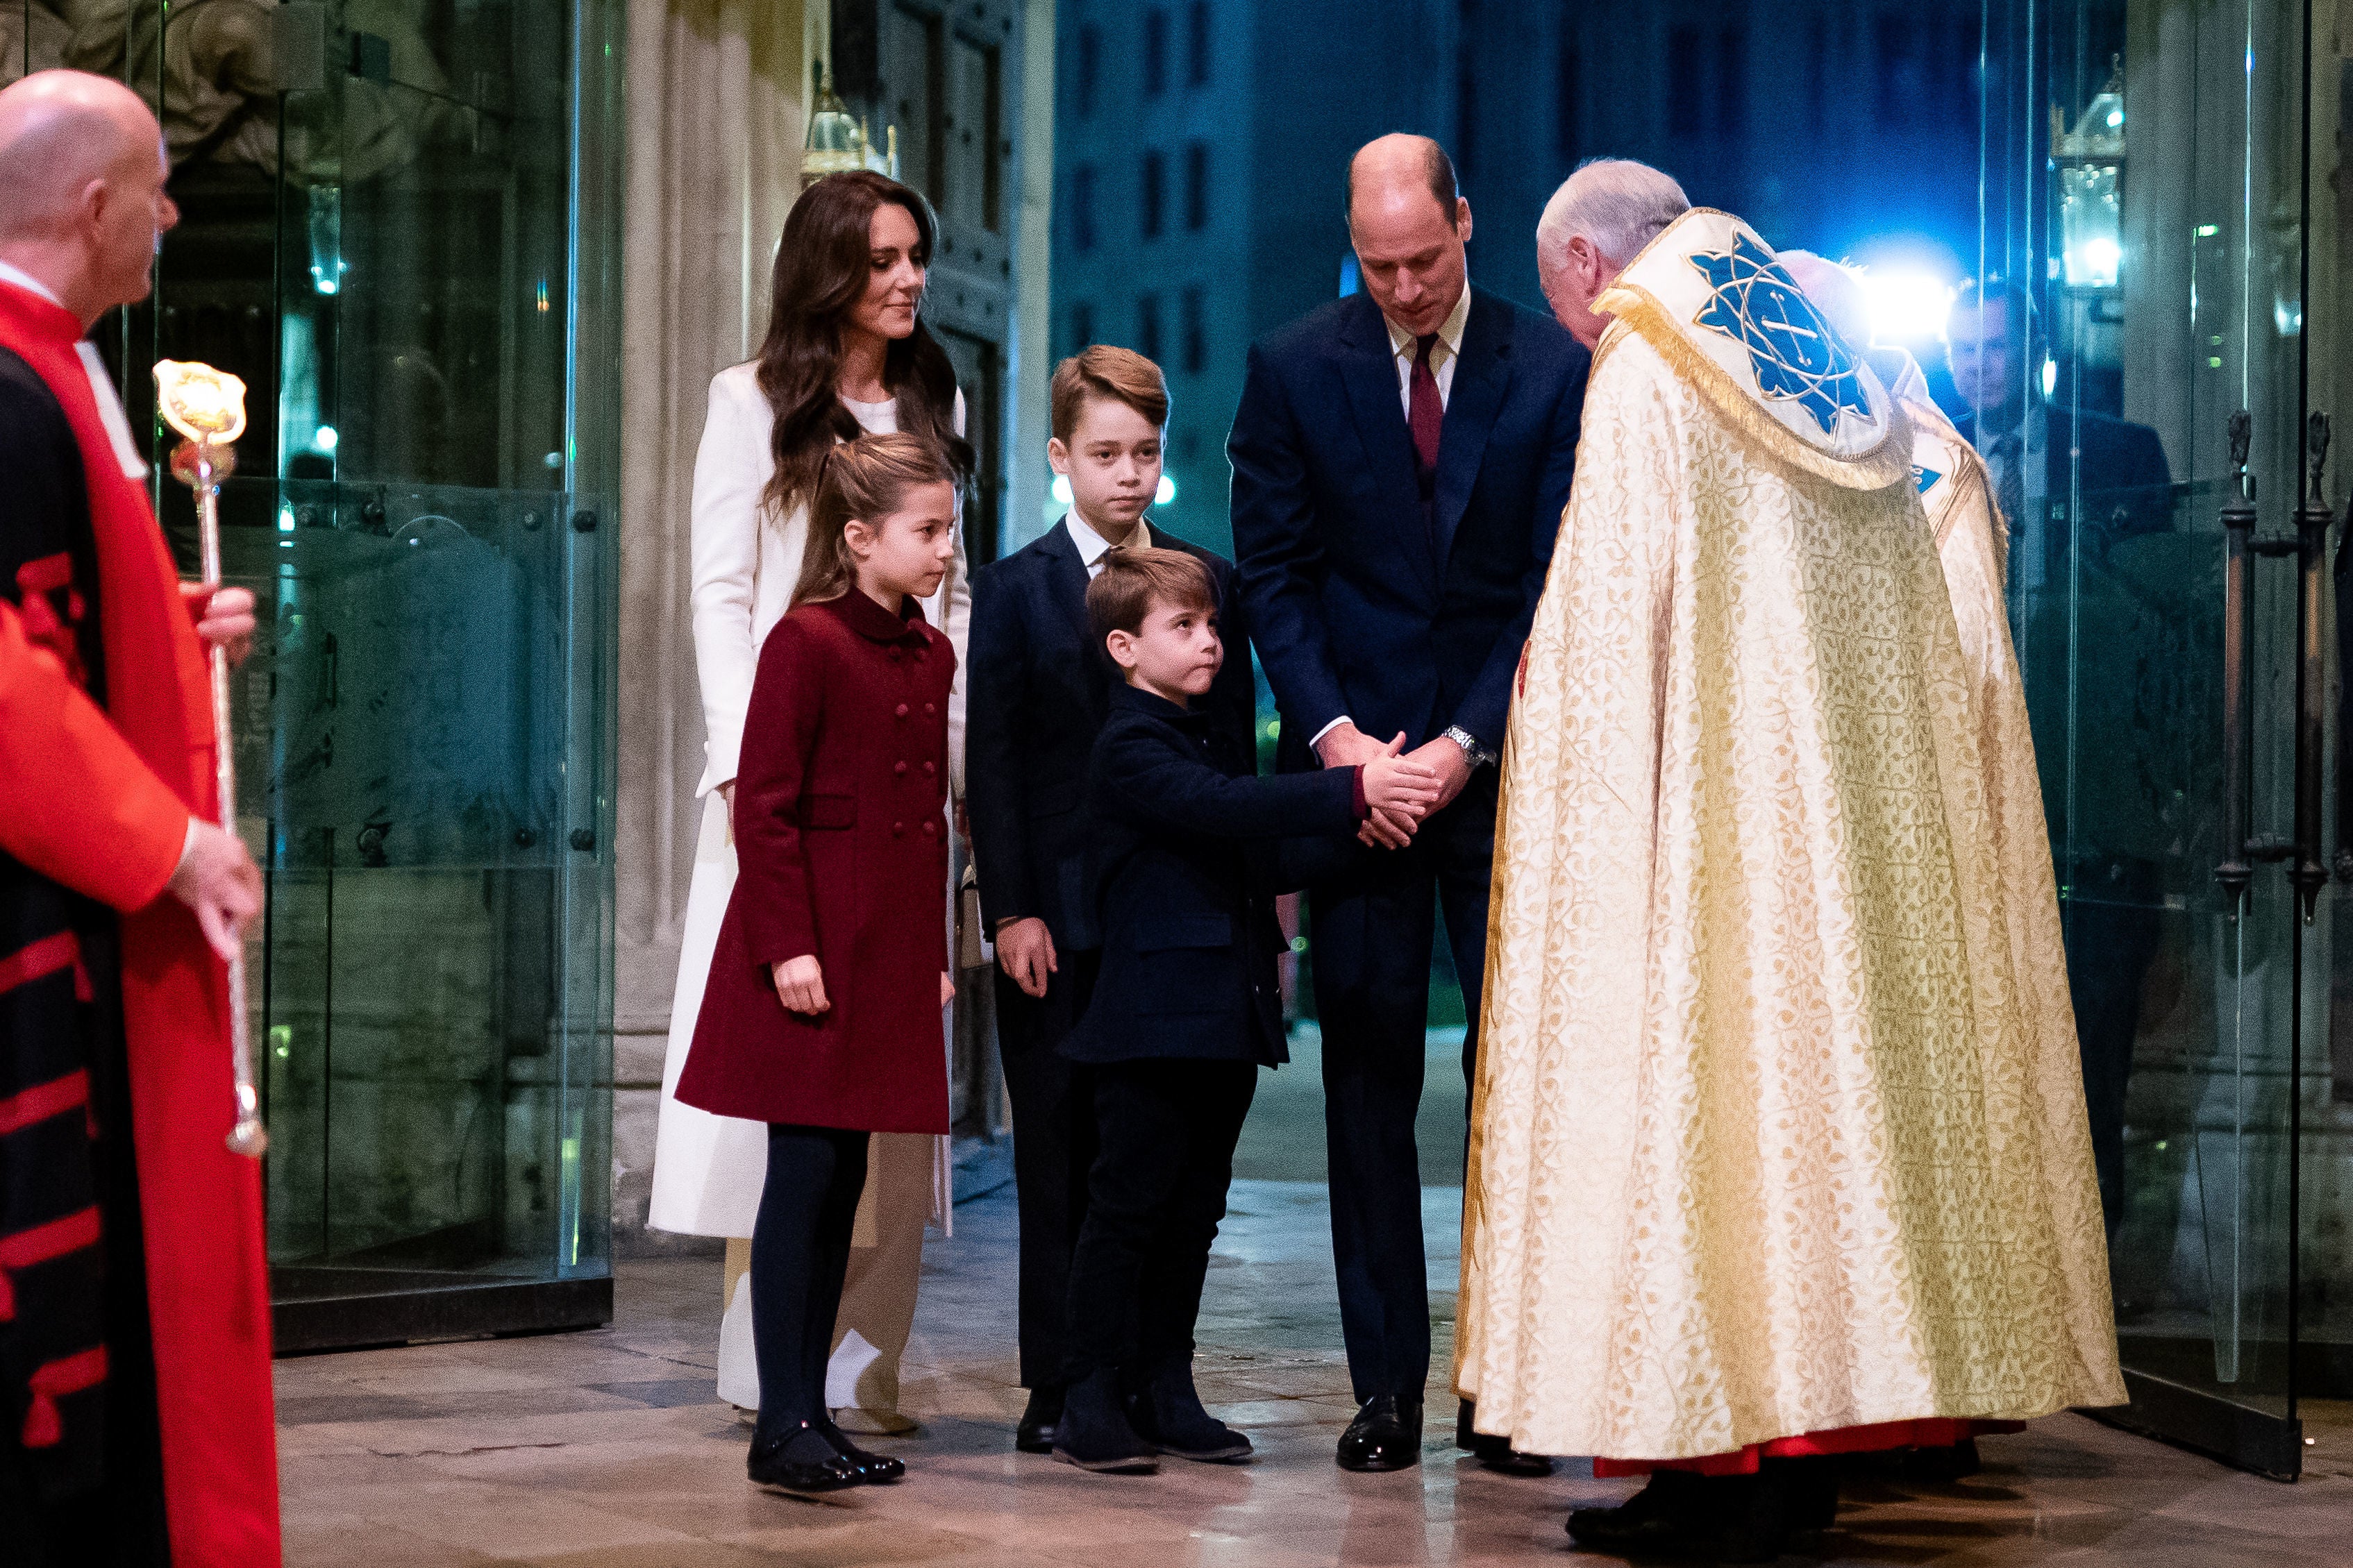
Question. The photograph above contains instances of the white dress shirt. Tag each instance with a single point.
(1093, 546)
(1442, 355)
(30, 284)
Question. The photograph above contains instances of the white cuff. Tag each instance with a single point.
(188, 847)
(1317, 739)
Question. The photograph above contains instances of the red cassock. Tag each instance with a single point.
(208, 1295)
(842, 837)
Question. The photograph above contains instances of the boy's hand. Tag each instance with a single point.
(1025, 951)
(947, 988)
(1385, 828)
(1402, 786)
(800, 986)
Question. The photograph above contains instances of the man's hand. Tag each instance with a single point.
(224, 619)
(1449, 762)
(947, 988)
(1346, 746)
(1025, 951)
(220, 881)
(800, 986)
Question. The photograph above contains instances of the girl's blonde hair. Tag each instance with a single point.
(867, 478)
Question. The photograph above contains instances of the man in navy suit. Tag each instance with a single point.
(1038, 689)
(1401, 458)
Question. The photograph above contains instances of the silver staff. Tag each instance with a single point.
(206, 407)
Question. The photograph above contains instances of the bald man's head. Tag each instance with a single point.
(83, 204)
(1409, 225)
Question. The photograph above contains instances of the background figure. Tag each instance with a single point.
(1401, 460)
(846, 353)
(2071, 483)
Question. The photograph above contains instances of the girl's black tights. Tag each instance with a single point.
(800, 1253)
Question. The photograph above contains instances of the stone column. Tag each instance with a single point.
(717, 100)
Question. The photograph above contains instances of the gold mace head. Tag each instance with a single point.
(206, 407)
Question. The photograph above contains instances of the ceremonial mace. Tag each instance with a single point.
(206, 407)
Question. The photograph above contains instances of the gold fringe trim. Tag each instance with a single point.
(1887, 463)
(1969, 477)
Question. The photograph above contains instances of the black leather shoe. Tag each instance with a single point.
(1036, 1433)
(1094, 1433)
(1166, 1412)
(1722, 1518)
(1941, 1466)
(1494, 1453)
(869, 1468)
(817, 1468)
(1809, 1490)
(1385, 1436)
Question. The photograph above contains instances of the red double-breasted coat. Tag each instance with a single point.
(842, 837)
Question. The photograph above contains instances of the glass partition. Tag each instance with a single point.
(2133, 362)
(396, 227)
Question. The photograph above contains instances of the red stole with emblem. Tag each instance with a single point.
(207, 1288)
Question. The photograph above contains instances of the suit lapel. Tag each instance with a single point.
(1369, 369)
(1481, 375)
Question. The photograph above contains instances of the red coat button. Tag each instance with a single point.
(900, 711)
(929, 709)
(929, 768)
(930, 827)
(895, 654)
(898, 830)
(898, 767)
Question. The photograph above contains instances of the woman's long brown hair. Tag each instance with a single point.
(866, 479)
(821, 272)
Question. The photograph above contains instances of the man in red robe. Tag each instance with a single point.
(136, 1421)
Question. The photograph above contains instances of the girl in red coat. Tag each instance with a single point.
(813, 1020)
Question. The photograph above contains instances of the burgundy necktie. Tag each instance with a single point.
(1428, 414)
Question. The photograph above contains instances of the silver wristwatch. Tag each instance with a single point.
(1480, 755)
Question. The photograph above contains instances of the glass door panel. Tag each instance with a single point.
(2141, 291)
(398, 228)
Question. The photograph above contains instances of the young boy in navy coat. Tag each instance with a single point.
(1039, 687)
(1186, 1006)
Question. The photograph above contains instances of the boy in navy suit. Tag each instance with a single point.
(1185, 1007)
(1039, 687)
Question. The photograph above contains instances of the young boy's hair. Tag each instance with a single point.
(1117, 375)
(1132, 580)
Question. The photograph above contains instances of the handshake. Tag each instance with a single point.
(1401, 788)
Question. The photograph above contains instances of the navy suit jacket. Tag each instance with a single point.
(1037, 691)
(1356, 607)
(1182, 832)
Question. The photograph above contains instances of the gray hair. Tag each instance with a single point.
(1616, 203)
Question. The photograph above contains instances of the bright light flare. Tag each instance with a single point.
(1167, 494)
(1907, 306)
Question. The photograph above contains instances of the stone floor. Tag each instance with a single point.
(607, 1449)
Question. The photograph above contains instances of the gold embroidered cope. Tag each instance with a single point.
(1778, 1125)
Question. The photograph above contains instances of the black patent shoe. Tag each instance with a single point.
(1166, 1412)
(1385, 1436)
(1492, 1452)
(1094, 1435)
(870, 1469)
(1719, 1519)
(769, 1467)
(1036, 1433)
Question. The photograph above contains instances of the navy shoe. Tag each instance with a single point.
(1035, 1435)
(1166, 1412)
(1094, 1433)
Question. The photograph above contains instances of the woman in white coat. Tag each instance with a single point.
(846, 353)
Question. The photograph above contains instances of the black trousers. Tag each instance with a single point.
(1371, 931)
(800, 1253)
(1053, 1147)
(1166, 1131)
(2110, 947)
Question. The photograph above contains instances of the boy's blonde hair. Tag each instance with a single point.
(1115, 375)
